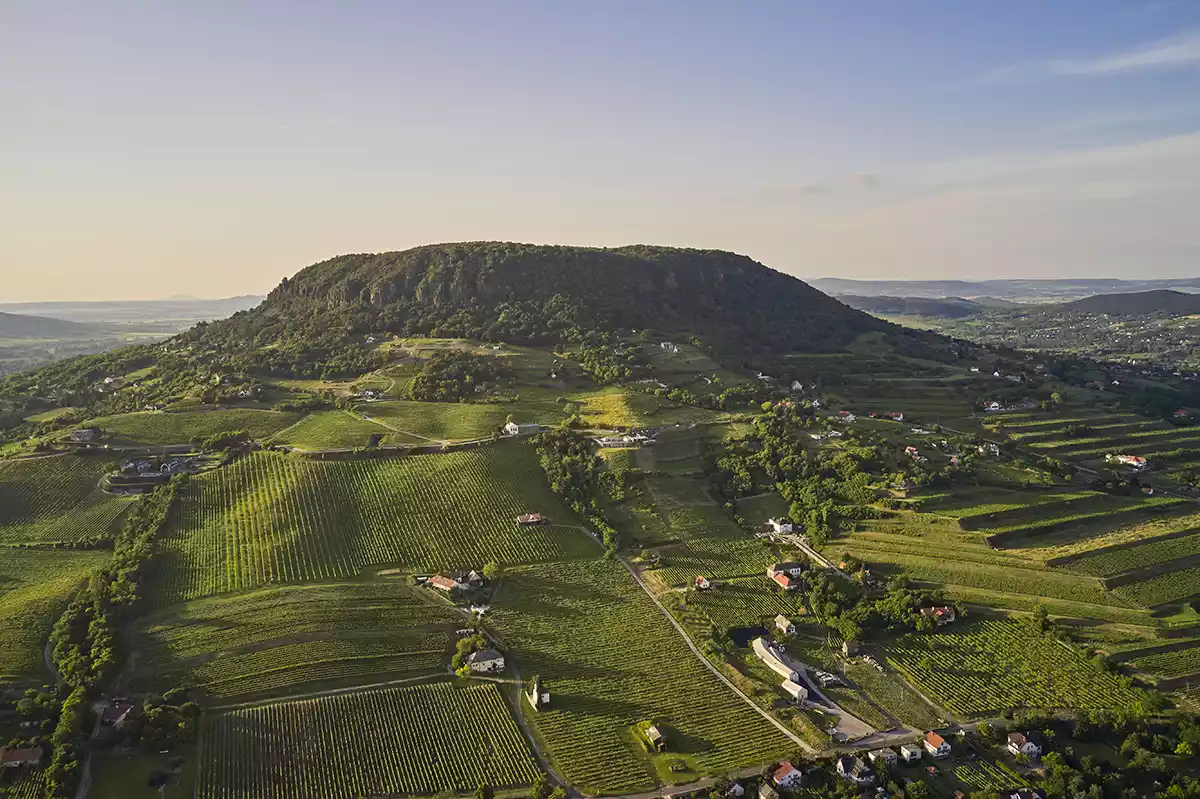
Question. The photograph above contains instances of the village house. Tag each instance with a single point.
(787, 776)
(886, 756)
(14, 758)
(85, 435)
(993, 407)
(118, 714)
(702, 583)
(854, 769)
(910, 753)
(515, 429)
(539, 694)
(786, 582)
(530, 518)
(795, 690)
(485, 661)
(772, 660)
(780, 526)
(791, 568)
(940, 615)
(657, 741)
(735, 791)
(1027, 744)
(785, 625)
(443, 583)
(936, 745)
(1135, 462)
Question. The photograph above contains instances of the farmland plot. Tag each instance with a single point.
(744, 603)
(611, 660)
(1175, 663)
(1109, 562)
(270, 518)
(160, 428)
(394, 741)
(1163, 589)
(49, 500)
(982, 667)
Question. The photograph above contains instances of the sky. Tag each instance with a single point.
(150, 149)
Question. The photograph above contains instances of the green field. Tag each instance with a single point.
(35, 586)
(443, 421)
(339, 430)
(744, 603)
(1182, 583)
(979, 668)
(45, 500)
(1171, 664)
(610, 661)
(271, 518)
(410, 740)
(161, 428)
(275, 640)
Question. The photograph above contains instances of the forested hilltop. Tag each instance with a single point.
(534, 294)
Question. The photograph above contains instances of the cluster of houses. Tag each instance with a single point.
(786, 575)
(626, 440)
(914, 453)
(145, 468)
(895, 416)
(1135, 462)
(939, 614)
(456, 583)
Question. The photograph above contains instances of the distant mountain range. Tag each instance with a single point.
(1013, 290)
(20, 326)
(1160, 301)
(176, 313)
(1175, 303)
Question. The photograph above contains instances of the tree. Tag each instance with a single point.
(491, 571)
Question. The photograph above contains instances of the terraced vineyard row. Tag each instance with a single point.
(1106, 563)
(271, 518)
(47, 500)
(611, 661)
(982, 667)
(411, 740)
(160, 428)
(30, 784)
(1163, 589)
(1177, 663)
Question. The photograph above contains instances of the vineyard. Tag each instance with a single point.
(1108, 562)
(982, 667)
(57, 499)
(1176, 663)
(441, 421)
(744, 603)
(1165, 588)
(276, 639)
(35, 586)
(27, 784)
(160, 428)
(611, 661)
(270, 518)
(394, 741)
(339, 430)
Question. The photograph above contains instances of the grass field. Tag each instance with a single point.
(443, 421)
(157, 427)
(287, 639)
(409, 740)
(981, 667)
(611, 661)
(57, 499)
(35, 586)
(271, 518)
(339, 430)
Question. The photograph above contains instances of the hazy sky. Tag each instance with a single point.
(210, 148)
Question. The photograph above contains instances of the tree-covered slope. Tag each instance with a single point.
(21, 326)
(1163, 301)
(534, 293)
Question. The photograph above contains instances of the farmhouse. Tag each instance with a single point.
(13, 758)
(790, 568)
(117, 714)
(886, 756)
(780, 526)
(939, 615)
(486, 661)
(936, 745)
(795, 690)
(443, 583)
(531, 518)
(785, 582)
(84, 435)
(1135, 462)
(786, 775)
(854, 769)
(702, 583)
(909, 753)
(515, 429)
(656, 739)
(1028, 744)
(785, 625)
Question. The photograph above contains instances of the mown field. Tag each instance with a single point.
(161, 428)
(409, 740)
(35, 586)
(48, 500)
(287, 639)
(271, 518)
(979, 668)
(442, 421)
(611, 660)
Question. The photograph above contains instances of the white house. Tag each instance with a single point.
(486, 661)
(885, 756)
(702, 583)
(854, 769)
(515, 429)
(780, 526)
(909, 753)
(795, 690)
(787, 776)
(936, 745)
(735, 791)
(1021, 744)
(785, 625)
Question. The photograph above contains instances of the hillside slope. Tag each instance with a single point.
(948, 307)
(534, 293)
(1175, 303)
(21, 326)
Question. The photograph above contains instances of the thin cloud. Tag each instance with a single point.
(866, 180)
(796, 190)
(1173, 52)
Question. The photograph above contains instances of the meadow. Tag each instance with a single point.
(410, 740)
(339, 430)
(162, 428)
(285, 639)
(35, 586)
(47, 500)
(981, 667)
(271, 518)
(610, 661)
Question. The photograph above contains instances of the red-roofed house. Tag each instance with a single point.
(786, 582)
(936, 745)
(787, 776)
(443, 583)
(530, 518)
(13, 758)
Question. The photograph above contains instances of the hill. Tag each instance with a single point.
(20, 326)
(535, 294)
(1057, 290)
(1163, 301)
(948, 307)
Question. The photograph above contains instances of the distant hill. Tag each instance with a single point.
(540, 294)
(1175, 303)
(20, 326)
(945, 308)
(1012, 290)
(176, 313)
